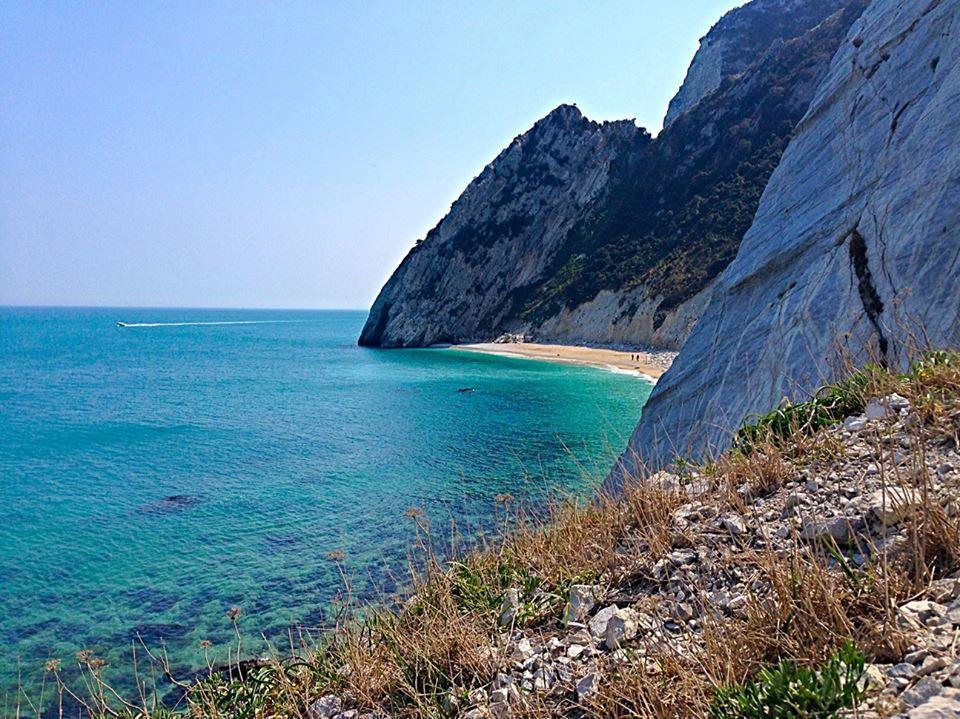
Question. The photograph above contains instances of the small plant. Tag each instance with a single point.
(791, 692)
(481, 588)
(831, 404)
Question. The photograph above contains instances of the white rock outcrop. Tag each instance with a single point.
(854, 251)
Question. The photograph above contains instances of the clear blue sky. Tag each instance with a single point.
(285, 154)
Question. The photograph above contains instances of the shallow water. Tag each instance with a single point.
(153, 476)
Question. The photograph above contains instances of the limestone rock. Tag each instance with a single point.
(326, 707)
(854, 424)
(893, 505)
(598, 623)
(622, 626)
(938, 707)
(588, 685)
(509, 607)
(582, 599)
(855, 247)
(837, 529)
(922, 692)
(734, 42)
(500, 235)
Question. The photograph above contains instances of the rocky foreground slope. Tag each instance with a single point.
(855, 249)
(665, 596)
(596, 233)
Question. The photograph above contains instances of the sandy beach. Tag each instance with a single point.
(651, 364)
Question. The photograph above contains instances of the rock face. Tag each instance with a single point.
(855, 250)
(596, 233)
(736, 41)
(500, 234)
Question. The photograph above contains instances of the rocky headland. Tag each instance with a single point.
(584, 233)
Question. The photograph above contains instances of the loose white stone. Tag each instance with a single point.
(939, 707)
(582, 599)
(509, 607)
(855, 424)
(875, 410)
(734, 525)
(598, 622)
(921, 692)
(499, 696)
(522, 651)
(621, 627)
(588, 685)
(325, 707)
(836, 528)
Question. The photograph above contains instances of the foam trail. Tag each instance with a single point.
(201, 324)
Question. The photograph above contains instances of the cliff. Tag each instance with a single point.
(855, 250)
(584, 232)
(500, 234)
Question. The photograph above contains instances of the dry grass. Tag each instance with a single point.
(445, 641)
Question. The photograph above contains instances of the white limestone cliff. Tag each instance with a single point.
(855, 248)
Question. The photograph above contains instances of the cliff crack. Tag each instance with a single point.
(869, 297)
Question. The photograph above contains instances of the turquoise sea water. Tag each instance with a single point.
(153, 476)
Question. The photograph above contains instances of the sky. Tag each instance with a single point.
(285, 154)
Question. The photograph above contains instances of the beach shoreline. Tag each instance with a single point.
(645, 363)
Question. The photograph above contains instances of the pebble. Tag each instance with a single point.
(587, 685)
(326, 707)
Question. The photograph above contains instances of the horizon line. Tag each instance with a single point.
(179, 307)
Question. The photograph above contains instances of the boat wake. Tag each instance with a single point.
(202, 324)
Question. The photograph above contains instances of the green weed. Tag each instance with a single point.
(791, 692)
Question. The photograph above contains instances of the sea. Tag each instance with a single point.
(156, 475)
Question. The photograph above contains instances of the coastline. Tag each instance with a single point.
(648, 364)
